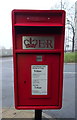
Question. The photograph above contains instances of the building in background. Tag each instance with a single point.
(5, 52)
(76, 25)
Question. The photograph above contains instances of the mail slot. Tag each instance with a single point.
(38, 55)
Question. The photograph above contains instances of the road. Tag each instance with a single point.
(68, 109)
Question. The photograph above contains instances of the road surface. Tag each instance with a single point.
(68, 109)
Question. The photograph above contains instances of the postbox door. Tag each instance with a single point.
(50, 64)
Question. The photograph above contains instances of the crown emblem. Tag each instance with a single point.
(29, 43)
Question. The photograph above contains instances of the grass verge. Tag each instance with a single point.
(70, 57)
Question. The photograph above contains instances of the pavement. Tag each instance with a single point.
(13, 113)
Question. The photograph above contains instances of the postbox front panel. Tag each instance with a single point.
(38, 79)
(38, 53)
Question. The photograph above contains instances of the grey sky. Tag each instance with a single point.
(6, 6)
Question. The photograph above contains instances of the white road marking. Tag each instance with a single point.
(46, 116)
(70, 72)
(8, 68)
(7, 60)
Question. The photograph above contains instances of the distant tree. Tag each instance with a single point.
(73, 31)
(70, 15)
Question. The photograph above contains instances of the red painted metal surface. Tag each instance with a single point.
(38, 23)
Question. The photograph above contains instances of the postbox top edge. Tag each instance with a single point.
(37, 11)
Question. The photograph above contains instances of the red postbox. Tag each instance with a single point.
(38, 54)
